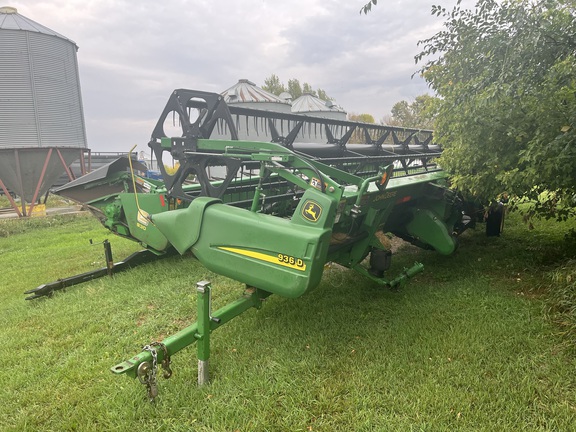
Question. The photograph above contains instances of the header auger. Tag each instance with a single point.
(273, 208)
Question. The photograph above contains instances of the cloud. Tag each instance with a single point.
(133, 54)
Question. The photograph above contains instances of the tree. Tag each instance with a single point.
(275, 86)
(323, 95)
(420, 114)
(364, 118)
(307, 88)
(358, 134)
(368, 6)
(506, 74)
(294, 88)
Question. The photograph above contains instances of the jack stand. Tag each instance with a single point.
(204, 305)
(108, 256)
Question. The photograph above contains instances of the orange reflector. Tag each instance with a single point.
(403, 199)
(384, 178)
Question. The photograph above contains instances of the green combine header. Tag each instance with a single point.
(270, 210)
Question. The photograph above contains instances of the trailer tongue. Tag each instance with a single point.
(272, 209)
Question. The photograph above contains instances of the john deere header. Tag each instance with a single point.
(272, 209)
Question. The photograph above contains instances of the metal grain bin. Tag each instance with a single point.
(42, 127)
(311, 105)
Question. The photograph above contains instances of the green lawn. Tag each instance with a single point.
(469, 344)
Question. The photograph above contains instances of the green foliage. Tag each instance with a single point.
(421, 113)
(364, 118)
(275, 86)
(307, 88)
(294, 88)
(323, 95)
(506, 73)
(368, 6)
(358, 135)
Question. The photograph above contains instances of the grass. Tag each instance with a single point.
(473, 343)
(52, 201)
(562, 299)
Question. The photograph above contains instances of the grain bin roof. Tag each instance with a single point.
(310, 103)
(10, 19)
(246, 91)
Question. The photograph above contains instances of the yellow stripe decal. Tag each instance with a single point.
(280, 259)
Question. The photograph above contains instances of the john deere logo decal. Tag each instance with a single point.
(311, 211)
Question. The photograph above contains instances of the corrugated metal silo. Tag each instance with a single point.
(41, 118)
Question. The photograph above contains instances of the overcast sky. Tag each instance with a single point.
(132, 54)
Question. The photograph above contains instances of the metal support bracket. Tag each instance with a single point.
(398, 280)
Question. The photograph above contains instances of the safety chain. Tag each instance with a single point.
(166, 361)
(147, 372)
